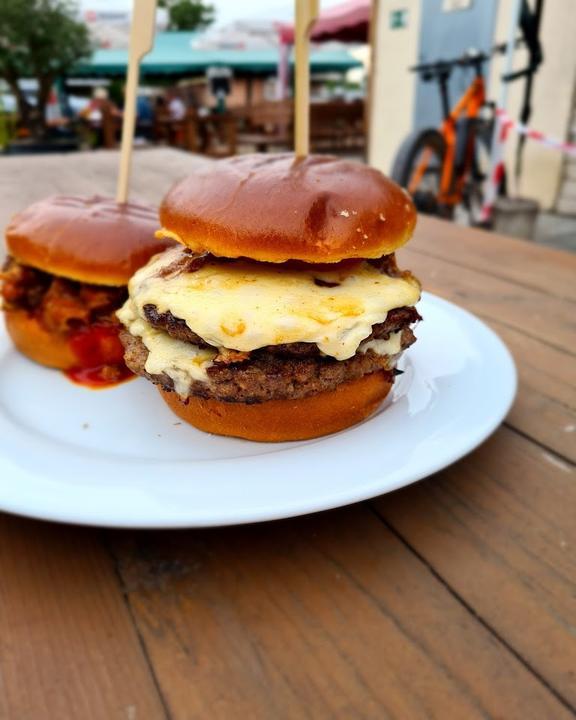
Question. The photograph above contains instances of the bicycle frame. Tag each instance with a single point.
(468, 105)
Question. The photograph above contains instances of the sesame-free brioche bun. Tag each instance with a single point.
(282, 420)
(93, 239)
(37, 343)
(275, 208)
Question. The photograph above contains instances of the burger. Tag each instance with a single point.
(281, 313)
(69, 262)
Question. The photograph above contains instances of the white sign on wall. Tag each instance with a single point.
(453, 5)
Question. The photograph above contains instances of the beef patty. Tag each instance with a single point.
(396, 320)
(266, 376)
(189, 262)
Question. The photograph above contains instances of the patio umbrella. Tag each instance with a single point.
(347, 22)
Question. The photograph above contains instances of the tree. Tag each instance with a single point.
(188, 14)
(39, 39)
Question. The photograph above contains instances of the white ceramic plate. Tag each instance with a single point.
(120, 458)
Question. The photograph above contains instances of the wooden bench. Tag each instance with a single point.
(334, 126)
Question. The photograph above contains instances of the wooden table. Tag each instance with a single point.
(453, 598)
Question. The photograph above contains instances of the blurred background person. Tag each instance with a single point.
(177, 114)
(100, 116)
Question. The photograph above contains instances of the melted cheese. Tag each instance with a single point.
(246, 305)
(181, 361)
(391, 346)
(168, 234)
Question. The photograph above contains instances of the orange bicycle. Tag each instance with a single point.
(445, 169)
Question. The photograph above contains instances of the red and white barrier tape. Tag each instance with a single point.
(504, 124)
(521, 129)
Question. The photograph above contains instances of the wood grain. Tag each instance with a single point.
(539, 315)
(68, 648)
(451, 599)
(324, 617)
(518, 261)
(545, 406)
(499, 528)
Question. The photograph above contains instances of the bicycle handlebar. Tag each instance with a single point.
(470, 59)
(517, 75)
(447, 65)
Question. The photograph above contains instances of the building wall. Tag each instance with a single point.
(392, 90)
(552, 98)
(394, 93)
(566, 202)
(450, 34)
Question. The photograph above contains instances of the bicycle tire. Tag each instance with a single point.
(485, 135)
(469, 210)
(404, 164)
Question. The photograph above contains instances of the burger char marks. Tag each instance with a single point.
(102, 207)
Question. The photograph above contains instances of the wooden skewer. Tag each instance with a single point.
(141, 40)
(306, 14)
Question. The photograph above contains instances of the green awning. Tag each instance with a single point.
(174, 54)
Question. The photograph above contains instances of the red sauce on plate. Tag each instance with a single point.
(100, 357)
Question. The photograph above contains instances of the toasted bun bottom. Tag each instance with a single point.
(37, 343)
(281, 420)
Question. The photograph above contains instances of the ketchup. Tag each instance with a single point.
(100, 356)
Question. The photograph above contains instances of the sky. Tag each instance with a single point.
(226, 10)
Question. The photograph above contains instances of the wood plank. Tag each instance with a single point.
(536, 314)
(328, 616)
(520, 261)
(499, 528)
(68, 647)
(545, 406)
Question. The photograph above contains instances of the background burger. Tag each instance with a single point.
(69, 261)
(282, 313)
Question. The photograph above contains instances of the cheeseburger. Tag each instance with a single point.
(281, 313)
(69, 261)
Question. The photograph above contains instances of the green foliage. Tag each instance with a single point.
(116, 91)
(188, 14)
(39, 39)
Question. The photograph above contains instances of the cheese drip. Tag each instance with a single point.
(245, 305)
(183, 362)
(391, 346)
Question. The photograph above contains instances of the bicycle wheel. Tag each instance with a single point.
(418, 168)
(469, 211)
